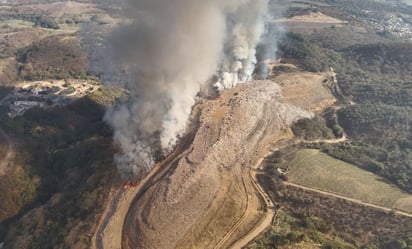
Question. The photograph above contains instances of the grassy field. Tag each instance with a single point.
(315, 169)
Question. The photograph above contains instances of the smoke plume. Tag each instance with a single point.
(170, 50)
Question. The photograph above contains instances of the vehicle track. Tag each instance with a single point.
(252, 187)
(114, 203)
(155, 176)
(242, 219)
(265, 201)
(264, 223)
(347, 198)
(152, 177)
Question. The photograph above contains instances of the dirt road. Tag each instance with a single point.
(110, 230)
(205, 193)
(265, 221)
(252, 187)
(251, 210)
(329, 141)
(346, 198)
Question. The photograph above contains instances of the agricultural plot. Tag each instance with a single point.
(315, 169)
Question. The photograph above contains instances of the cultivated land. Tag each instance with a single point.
(317, 170)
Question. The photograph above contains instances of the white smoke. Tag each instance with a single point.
(246, 25)
(171, 49)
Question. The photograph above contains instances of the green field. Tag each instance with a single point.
(315, 169)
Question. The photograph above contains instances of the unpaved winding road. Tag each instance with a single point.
(252, 187)
(265, 221)
(250, 210)
(109, 233)
(329, 141)
(248, 120)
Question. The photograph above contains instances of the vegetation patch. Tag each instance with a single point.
(318, 170)
(312, 129)
(61, 177)
(306, 219)
(53, 58)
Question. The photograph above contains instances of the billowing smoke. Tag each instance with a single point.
(171, 49)
(245, 27)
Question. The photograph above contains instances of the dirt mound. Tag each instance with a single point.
(307, 90)
(204, 193)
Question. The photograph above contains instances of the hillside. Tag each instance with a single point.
(206, 186)
(373, 78)
(318, 155)
(55, 183)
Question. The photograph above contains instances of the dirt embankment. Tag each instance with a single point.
(205, 193)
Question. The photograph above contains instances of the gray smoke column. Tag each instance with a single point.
(245, 27)
(170, 50)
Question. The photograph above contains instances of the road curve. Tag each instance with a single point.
(157, 174)
(110, 231)
(268, 209)
(264, 222)
(109, 236)
(246, 213)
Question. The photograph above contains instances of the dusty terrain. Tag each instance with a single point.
(309, 22)
(208, 190)
(205, 194)
(304, 89)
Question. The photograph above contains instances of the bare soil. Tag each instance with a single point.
(310, 22)
(307, 90)
(206, 193)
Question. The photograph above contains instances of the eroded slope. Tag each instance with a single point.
(205, 193)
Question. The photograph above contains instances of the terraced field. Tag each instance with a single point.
(315, 169)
